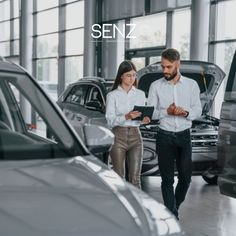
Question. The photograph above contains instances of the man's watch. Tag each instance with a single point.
(187, 113)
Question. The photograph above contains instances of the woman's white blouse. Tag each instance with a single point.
(119, 103)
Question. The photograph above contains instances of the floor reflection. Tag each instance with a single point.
(205, 211)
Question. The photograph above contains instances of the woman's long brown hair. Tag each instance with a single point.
(124, 67)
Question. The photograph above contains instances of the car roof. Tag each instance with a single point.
(92, 79)
(96, 79)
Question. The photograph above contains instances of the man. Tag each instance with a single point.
(176, 101)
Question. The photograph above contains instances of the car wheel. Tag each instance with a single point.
(210, 179)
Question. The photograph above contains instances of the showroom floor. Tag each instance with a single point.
(205, 211)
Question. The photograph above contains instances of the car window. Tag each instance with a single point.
(20, 137)
(77, 94)
(94, 95)
(38, 126)
(6, 119)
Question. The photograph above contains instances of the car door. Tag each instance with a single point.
(227, 136)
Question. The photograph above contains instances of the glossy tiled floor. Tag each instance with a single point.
(205, 211)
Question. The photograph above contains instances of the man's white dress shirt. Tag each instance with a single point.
(185, 93)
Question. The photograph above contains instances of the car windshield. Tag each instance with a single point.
(31, 126)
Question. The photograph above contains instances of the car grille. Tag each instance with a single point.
(200, 137)
(205, 139)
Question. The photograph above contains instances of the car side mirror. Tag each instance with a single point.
(98, 139)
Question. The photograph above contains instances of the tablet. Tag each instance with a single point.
(145, 110)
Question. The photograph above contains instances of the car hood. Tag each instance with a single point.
(68, 197)
(208, 76)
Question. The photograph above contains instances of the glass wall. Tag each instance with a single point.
(42, 5)
(46, 16)
(47, 21)
(58, 42)
(150, 31)
(224, 43)
(225, 16)
(74, 69)
(74, 38)
(9, 28)
(4, 10)
(181, 32)
(151, 35)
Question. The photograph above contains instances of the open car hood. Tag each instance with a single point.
(208, 76)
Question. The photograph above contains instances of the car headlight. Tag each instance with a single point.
(160, 218)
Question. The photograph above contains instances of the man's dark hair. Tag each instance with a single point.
(171, 54)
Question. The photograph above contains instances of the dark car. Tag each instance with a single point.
(84, 102)
(57, 187)
(226, 161)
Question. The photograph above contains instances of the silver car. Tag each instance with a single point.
(56, 186)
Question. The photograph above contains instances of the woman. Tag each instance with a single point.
(120, 116)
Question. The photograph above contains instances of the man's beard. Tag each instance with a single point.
(172, 76)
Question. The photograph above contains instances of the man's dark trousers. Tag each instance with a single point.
(174, 147)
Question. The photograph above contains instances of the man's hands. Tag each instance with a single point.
(174, 110)
(171, 109)
(146, 120)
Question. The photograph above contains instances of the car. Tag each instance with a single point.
(204, 131)
(225, 167)
(84, 102)
(57, 186)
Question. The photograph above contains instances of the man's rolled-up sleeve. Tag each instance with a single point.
(195, 110)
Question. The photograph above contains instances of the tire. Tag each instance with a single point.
(210, 179)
